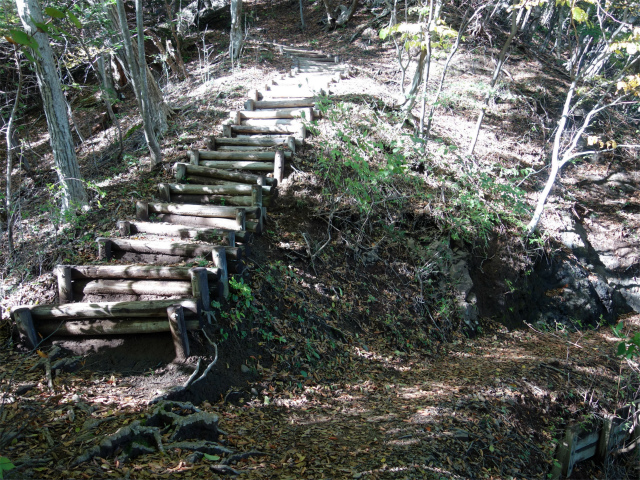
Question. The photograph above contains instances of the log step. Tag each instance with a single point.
(224, 237)
(236, 156)
(140, 272)
(215, 223)
(246, 148)
(283, 113)
(112, 327)
(145, 209)
(186, 171)
(285, 141)
(137, 309)
(181, 249)
(230, 190)
(270, 104)
(279, 93)
(111, 318)
(299, 131)
(238, 165)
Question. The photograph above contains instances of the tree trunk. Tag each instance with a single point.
(152, 140)
(158, 109)
(64, 155)
(137, 70)
(236, 40)
(178, 51)
(106, 92)
(10, 147)
(494, 79)
(302, 24)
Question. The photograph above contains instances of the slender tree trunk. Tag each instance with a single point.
(445, 69)
(152, 141)
(177, 38)
(412, 93)
(302, 24)
(427, 66)
(137, 70)
(494, 79)
(236, 40)
(158, 109)
(10, 147)
(64, 155)
(106, 93)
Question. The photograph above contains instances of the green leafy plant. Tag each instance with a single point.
(629, 347)
(5, 465)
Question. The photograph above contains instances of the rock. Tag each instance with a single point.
(244, 368)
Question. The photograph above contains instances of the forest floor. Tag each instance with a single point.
(348, 378)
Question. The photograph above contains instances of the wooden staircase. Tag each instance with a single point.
(219, 200)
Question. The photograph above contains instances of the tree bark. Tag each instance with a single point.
(158, 109)
(236, 40)
(10, 148)
(150, 135)
(64, 155)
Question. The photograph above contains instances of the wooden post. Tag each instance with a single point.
(104, 248)
(124, 228)
(211, 143)
(253, 95)
(235, 117)
(65, 290)
(291, 143)
(302, 132)
(200, 286)
(278, 166)
(241, 219)
(24, 322)
(226, 131)
(194, 157)
(181, 171)
(250, 105)
(219, 256)
(142, 211)
(175, 314)
(256, 196)
(262, 180)
(231, 239)
(164, 192)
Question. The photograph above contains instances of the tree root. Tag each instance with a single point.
(185, 425)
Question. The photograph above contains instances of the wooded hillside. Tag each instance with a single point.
(315, 239)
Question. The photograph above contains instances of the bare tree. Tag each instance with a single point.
(64, 154)
(596, 96)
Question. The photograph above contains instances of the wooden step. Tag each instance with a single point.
(247, 148)
(227, 238)
(253, 156)
(135, 272)
(282, 113)
(297, 130)
(144, 209)
(229, 190)
(238, 165)
(185, 171)
(112, 318)
(253, 105)
(138, 309)
(214, 143)
(217, 223)
(163, 247)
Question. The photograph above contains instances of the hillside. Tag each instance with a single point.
(393, 320)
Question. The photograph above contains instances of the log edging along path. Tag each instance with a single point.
(231, 184)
